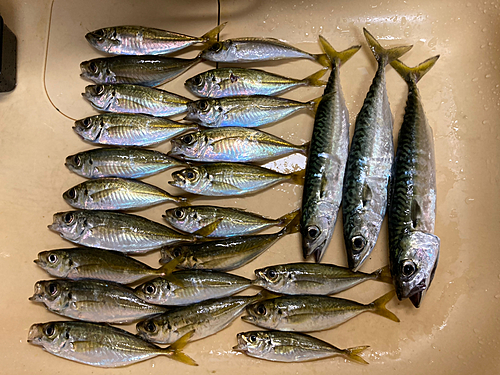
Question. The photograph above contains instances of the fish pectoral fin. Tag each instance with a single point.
(416, 213)
(84, 346)
(367, 195)
(103, 194)
(208, 229)
(324, 187)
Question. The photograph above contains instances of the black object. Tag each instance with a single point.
(8, 52)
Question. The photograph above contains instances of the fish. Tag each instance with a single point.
(122, 129)
(326, 161)
(93, 301)
(243, 50)
(205, 318)
(228, 179)
(192, 286)
(139, 40)
(117, 231)
(101, 345)
(87, 263)
(306, 313)
(224, 82)
(124, 162)
(113, 193)
(232, 144)
(149, 70)
(124, 98)
(226, 254)
(292, 347)
(369, 163)
(244, 111)
(413, 246)
(232, 221)
(314, 278)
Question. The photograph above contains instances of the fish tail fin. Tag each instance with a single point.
(353, 354)
(293, 225)
(379, 306)
(382, 55)
(174, 351)
(285, 219)
(263, 295)
(304, 149)
(169, 267)
(298, 177)
(323, 59)
(175, 198)
(314, 79)
(210, 36)
(383, 274)
(313, 104)
(416, 73)
(335, 57)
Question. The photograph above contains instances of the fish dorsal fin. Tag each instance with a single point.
(367, 195)
(416, 213)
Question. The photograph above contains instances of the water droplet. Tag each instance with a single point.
(487, 76)
(476, 330)
(469, 200)
(474, 79)
(403, 21)
(497, 296)
(432, 43)
(484, 29)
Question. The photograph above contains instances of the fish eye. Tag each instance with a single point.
(188, 139)
(49, 330)
(176, 252)
(99, 89)
(272, 274)
(358, 243)
(149, 288)
(52, 258)
(52, 288)
(150, 327)
(408, 268)
(68, 218)
(261, 309)
(190, 175)
(216, 47)
(179, 213)
(197, 80)
(77, 160)
(252, 338)
(99, 32)
(313, 232)
(72, 193)
(93, 67)
(86, 123)
(203, 105)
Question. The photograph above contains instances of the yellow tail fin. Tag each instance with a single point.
(335, 57)
(168, 268)
(383, 274)
(313, 104)
(174, 351)
(382, 55)
(379, 306)
(211, 36)
(416, 73)
(298, 177)
(293, 226)
(323, 59)
(314, 79)
(285, 219)
(353, 354)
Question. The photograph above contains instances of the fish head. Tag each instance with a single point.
(415, 265)
(253, 342)
(264, 314)
(186, 218)
(157, 329)
(155, 291)
(360, 236)
(105, 39)
(317, 230)
(192, 179)
(169, 253)
(203, 84)
(97, 71)
(53, 293)
(77, 196)
(100, 96)
(206, 112)
(55, 262)
(89, 128)
(189, 146)
(71, 225)
(219, 51)
(272, 278)
(52, 336)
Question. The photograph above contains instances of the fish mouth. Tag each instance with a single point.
(36, 298)
(35, 334)
(179, 180)
(309, 250)
(248, 318)
(418, 293)
(53, 227)
(39, 262)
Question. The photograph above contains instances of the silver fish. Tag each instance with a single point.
(223, 82)
(101, 345)
(139, 40)
(232, 144)
(413, 248)
(116, 194)
(121, 129)
(93, 301)
(326, 161)
(120, 162)
(124, 98)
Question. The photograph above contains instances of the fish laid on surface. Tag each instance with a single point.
(139, 40)
(242, 50)
(368, 169)
(305, 313)
(326, 161)
(113, 193)
(224, 82)
(232, 221)
(124, 162)
(93, 301)
(123, 98)
(139, 70)
(227, 179)
(205, 318)
(232, 144)
(244, 111)
(192, 286)
(314, 278)
(121, 129)
(413, 248)
(78, 263)
(226, 254)
(101, 345)
(115, 231)
(292, 347)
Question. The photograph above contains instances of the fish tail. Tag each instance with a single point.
(379, 306)
(174, 198)
(323, 59)
(210, 36)
(383, 274)
(298, 177)
(263, 295)
(382, 55)
(168, 268)
(335, 57)
(304, 149)
(416, 73)
(285, 219)
(353, 354)
(174, 351)
(314, 79)
(293, 225)
(313, 104)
